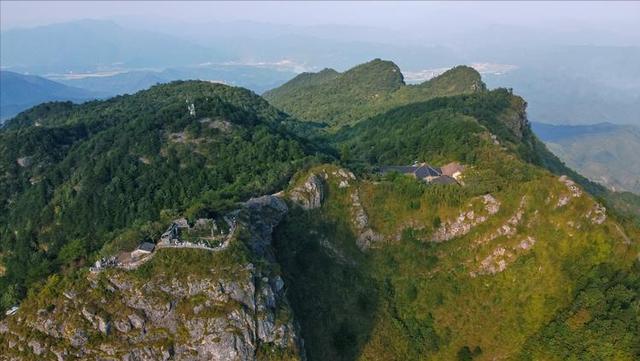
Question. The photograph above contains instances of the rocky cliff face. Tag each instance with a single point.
(232, 306)
(516, 117)
(310, 194)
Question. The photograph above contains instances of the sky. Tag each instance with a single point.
(392, 15)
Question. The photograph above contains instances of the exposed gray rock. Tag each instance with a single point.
(88, 315)
(48, 326)
(516, 120)
(259, 217)
(527, 243)
(79, 338)
(145, 354)
(235, 310)
(136, 321)
(278, 284)
(509, 227)
(360, 218)
(367, 237)
(36, 347)
(60, 355)
(598, 214)
(122, 325)
(104, 326)
(24, 161)
(310, 194)
(502, 256)
(466, 220)
(574, 191)
(491, 205)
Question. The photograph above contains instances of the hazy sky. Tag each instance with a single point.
(395, 15)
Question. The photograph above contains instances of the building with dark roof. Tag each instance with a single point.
(426, 172)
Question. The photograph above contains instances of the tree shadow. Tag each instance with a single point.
(333, 299)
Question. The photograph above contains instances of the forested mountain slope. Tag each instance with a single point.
(524, 259)
(74, 176)
(363, 91)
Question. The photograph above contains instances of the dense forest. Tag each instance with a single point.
(87, 173)
(78, 182)
(363, 91)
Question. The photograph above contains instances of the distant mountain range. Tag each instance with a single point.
(564, 84)
(256, 78)
(89, 45)
(560, 96)
(605, 153)
(20, 92)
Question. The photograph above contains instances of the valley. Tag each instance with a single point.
(605, 153)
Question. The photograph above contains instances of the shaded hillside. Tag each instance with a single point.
(19, 92)
(604, 153)
(363, 91)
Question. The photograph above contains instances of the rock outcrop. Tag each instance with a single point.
(508, 228)
(498, 260)
(574, 191)
(367, 237)
(233, 312)
(468, 219)
(516, 117)
(310, 194)
(598, 214)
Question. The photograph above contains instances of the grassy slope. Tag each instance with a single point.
(414, 300)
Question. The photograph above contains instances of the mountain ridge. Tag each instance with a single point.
(371, 88)
(497, 265)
